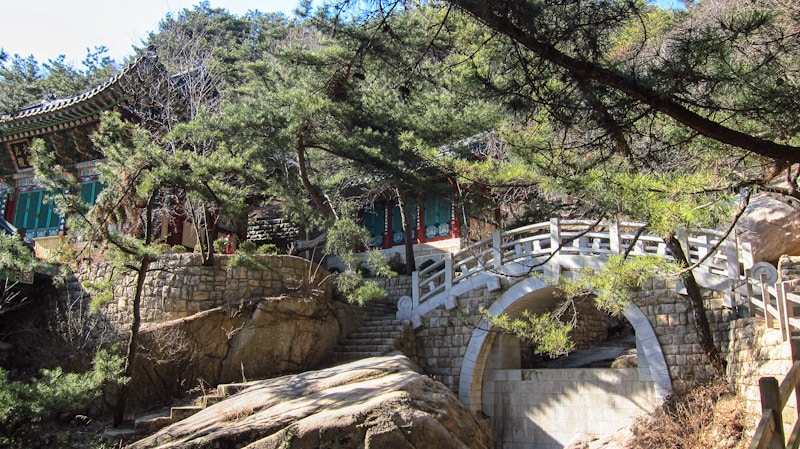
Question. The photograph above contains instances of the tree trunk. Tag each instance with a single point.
(210, 231)
(133, 342)
(405, 214)
(698, 308)
(136, 306)
(322, 204)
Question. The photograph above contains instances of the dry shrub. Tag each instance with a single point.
(709, 415)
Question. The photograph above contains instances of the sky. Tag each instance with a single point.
(49, 28)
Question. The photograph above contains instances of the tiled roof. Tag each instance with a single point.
(65, 110)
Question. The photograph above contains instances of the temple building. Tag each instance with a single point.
(65, 125)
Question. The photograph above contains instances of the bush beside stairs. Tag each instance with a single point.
(378, 334)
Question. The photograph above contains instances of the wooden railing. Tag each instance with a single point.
(769, 433)
(548, 247)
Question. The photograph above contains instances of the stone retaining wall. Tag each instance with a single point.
(754, 352)
(396, 287)
(178, 286)
(670, 315)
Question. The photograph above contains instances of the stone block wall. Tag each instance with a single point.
(754, 352)
(265, 225)
(547, 408)
(591, 326)
(443, 338)
(670, 315)
(396, 287)
(444, 335)
(178, 286)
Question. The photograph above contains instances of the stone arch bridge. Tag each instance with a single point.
(518, 269)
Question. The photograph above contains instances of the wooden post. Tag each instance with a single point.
(770, 404)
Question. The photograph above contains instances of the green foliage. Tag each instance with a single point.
(102, 292)
(220, 245)
(25, 82)
(15, 257)
(344, 237)
(52, 395)
(546, 331)
(614, 283)
(249, 255)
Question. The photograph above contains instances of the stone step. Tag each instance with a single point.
(376, 334)
(389, 340)
(374, 349)
(209, 400)
(151, 423)
(226, 390)
(382, 323)
(338, 358)
(183, 412)
(118, 433)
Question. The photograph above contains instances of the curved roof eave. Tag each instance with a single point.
(65, 110)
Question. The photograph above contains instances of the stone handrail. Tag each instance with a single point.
(771, 299)
(552, 246)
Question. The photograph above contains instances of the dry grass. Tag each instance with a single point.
(708, 416)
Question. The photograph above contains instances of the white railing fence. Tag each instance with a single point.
(550, 247)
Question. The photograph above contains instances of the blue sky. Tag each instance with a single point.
(48, 28)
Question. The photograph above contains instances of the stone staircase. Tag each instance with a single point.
(150, 423)
(379, 334)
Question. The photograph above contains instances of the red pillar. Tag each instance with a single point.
(421, 237)
(455, 223)
(387, 228)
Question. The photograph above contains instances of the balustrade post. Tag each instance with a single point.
(783, 310)
(448, 271)
(734, 272)
(780, 304)
(497, 249)
(749, 285)
(771, 404)
(683, 238)
(613, 238)
(765, 296)
(415, 288)
(555, 235)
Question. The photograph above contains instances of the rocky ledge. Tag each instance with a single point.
(380, 402)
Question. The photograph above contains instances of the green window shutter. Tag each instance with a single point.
(22, 208)
(90, 190)
(32, 215)
(87, 191)
(437, 210)
(374, 220)
(53, 218)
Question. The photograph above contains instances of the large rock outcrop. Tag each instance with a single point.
(376, 403)
(771, 226)
(265, 337)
